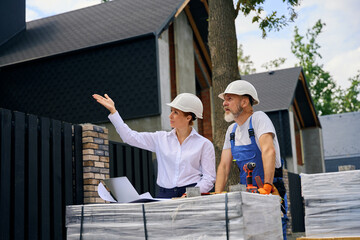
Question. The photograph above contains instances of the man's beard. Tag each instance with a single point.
(229, 117)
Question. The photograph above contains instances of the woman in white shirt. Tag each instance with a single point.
(185, 158)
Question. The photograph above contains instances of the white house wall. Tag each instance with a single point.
(164, 73)
(184, 52)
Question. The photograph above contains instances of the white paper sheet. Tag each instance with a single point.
(104, 194)
(123, 191)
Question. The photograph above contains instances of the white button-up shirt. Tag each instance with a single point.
(178, 165)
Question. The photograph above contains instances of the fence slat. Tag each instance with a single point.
(145, 171)
(111, 156)
(137, 172)
(134, 163)
(19, 175)
(56, 179)
(129, 164)
(120, 163)
(45, 178)
(36, 175)
(68, 167)
(151, 173)
(78, 164)
(32, 141)
(5, 175)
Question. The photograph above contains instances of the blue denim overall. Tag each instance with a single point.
(251, 153)
(247, 153)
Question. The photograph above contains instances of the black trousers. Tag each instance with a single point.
(173, 192)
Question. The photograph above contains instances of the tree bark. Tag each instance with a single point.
(223, 50)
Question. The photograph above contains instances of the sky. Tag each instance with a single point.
(339, 41)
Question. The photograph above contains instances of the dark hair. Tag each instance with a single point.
(251, 100)
(193, 117)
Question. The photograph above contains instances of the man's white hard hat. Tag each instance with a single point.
(188, 102)
(241, 87)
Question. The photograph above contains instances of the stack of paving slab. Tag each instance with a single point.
(332, 204)
(235, 215)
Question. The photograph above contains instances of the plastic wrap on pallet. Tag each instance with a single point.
(250, 216)
(330, 183)
(332, 205)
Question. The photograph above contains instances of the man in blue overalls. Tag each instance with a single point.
(252, 138)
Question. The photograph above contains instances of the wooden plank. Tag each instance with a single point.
(19, 171)
(198, 37)
(67, 153)
(79, 187)
(56, 179)
(206, 5)
(308, 98)
(181, 8)
(33, 181)
(172, 62)
(5, 175)
(45, 178)
(202, 70)
(298, 113)
(137, 170)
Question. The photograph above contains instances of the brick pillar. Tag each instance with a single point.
(95, 160)
(286, 183)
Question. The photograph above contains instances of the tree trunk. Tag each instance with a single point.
(223, 50)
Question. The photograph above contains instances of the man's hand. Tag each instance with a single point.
(266, 189)
(106, 101)
(223, 170)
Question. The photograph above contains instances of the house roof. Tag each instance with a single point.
(96, 25)
(277, 90)
(341, 135)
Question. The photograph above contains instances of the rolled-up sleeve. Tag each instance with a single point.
(143, 140)
(208, 168)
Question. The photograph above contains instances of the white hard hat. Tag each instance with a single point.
(241, 87)
(188, 102)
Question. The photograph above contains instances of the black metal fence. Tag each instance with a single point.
(40, 173)
(134, 163)
(297, 203)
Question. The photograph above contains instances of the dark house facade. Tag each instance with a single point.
(141, 53)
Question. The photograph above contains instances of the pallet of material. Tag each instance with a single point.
(235, 215)
(332, 205)
(329, 238)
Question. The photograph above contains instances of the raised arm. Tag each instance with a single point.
(143, 140)
(106, 101)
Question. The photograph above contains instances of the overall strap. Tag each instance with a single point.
(251, 132)
(232, 136)
(251, 129)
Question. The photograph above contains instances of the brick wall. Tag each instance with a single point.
(286, 183)
(95, 160)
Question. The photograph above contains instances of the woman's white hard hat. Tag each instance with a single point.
(188, 102)
(241, 87)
